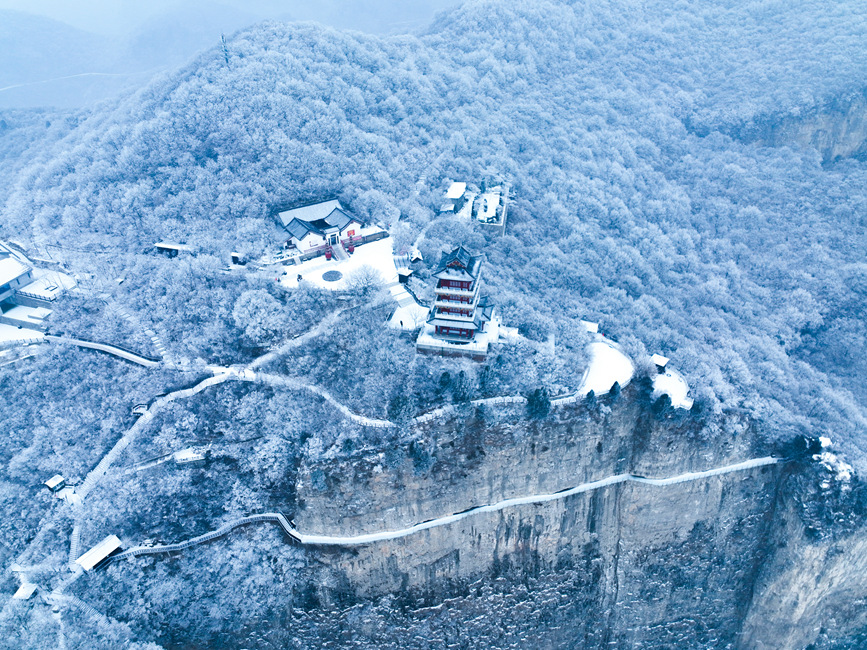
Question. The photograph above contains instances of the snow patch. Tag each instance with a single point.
(673, 384)
(607, 366)
(842, 471)
(377, 256)
(408, 317)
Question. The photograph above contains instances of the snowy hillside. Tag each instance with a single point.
(667, 233)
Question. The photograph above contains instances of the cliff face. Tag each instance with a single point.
(713, 562)
(837, 131)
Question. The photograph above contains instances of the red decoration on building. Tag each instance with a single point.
(459, 312)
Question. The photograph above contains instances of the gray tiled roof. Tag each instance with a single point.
(309, 212)
(463, 259)
(298, 228)
(337, 219)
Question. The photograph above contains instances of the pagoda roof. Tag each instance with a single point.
(483, 312)
(441, 321)
(459, 260)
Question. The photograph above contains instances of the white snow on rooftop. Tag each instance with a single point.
(54, 481)
(456, 190)
(593, 328)
(99, 552)
(312, 212)
(25, 591)
(31, 315)
(659, 360)
(673, 384)
(12, 334)
(607, 366)
(377, 255)
(10, 268)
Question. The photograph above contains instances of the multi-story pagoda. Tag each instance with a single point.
(460, 318)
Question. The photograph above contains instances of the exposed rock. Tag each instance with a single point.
(837, 130)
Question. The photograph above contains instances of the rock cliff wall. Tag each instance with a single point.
(703, 563)
(837, 131)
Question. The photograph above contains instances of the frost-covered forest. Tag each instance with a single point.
(638, 203)
(688, 175)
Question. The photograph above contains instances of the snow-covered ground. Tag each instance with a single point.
(466, 211)
(409, 315)
(607, 365)
(376, 256)
(673, 384)
(12, 334)
(48, 284)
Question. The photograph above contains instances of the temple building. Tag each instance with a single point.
(326, 228)
(315, 227)
(460, 320)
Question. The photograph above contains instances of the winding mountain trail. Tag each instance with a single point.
(247, 372)
(320, 328)
(370, 538)
(108, 349)
(297, 384)
(108, 460)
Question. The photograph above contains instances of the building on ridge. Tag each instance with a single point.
(13, 277)
(460, 321)
(315, 227)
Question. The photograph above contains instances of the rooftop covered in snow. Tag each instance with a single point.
(456, 190)
(98, 553)
(11, 269)
(459, 261)
(310, 211)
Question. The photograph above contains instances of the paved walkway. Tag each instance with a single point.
(370, 538)
(108, 460)
(297, 384)
(104, 347)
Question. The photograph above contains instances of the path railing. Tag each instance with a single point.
(115, 350)
(369, 538)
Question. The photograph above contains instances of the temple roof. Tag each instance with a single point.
(459, 261)
(334, 221)
(11, 269)
(310, 211)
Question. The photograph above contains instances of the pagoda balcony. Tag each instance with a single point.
(460, 293)
(449, 304)
(453, 338)
(458, 318)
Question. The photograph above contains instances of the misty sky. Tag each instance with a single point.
(98, 48)
(116, 17)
